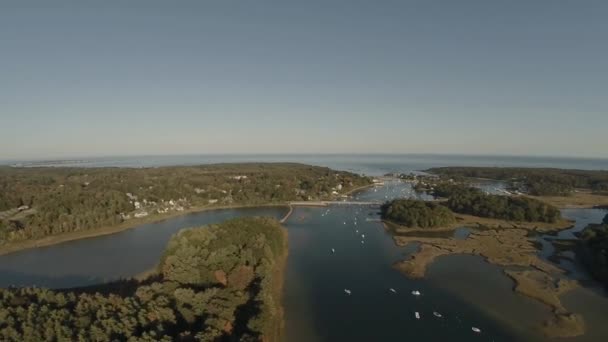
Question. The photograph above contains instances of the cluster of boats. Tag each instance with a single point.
(416, 313)
(416, 293)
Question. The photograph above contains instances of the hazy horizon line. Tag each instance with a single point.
(439, 154)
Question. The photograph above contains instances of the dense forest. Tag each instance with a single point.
(534, 181)
(594, 247)
(37, 202)
(220, 283)
(415, 213)
(472, 201)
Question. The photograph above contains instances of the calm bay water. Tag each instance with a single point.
(466, 290)
(318, 309)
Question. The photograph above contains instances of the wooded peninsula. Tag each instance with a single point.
(466, 200)
(218, 283)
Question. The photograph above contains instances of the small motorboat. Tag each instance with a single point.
(416, 293)
(392, 290)
(362, 241)
(363, 236)
(417, 314)
(333, 250)
(437, 314)
(347, 291)
(477, 330)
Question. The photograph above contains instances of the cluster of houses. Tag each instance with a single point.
(335, 190)
(144, 207)
(240, 177)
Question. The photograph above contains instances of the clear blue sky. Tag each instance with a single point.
(88, 78)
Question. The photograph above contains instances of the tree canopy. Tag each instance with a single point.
(415, 213)
(473, 201)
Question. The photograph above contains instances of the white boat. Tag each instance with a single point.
(333, 250)
(437, 314)
(362, 241)
(347, 291)
(363, 236)
(416, 293)
(477, 330)
(357, 231)
(392, 290)
(417, 315)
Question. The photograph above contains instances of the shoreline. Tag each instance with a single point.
(479, 223)
(514, 253)
(102, 231)
(130, 224)
(363, 187)
(582, 199)
(277, 330)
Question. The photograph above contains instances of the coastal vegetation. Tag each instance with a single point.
(220, 283)
(535, 181)
(414, 213)
(41, 202)
(578, 199)
(475, 202)
(517, 255)
(461, 205)
(594, 249)
(499, 228)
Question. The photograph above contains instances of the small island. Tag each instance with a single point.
(215, 283)
(459, 205)
(472, 201)
(417, 214)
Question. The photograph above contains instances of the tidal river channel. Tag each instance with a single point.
(465, 290)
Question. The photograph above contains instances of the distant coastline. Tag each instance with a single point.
(424, 160)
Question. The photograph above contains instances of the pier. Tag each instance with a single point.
(328, 203)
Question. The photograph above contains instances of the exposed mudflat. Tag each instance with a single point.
(513, 250)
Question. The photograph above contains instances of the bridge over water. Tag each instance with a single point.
(372, 204)
(328, 203)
